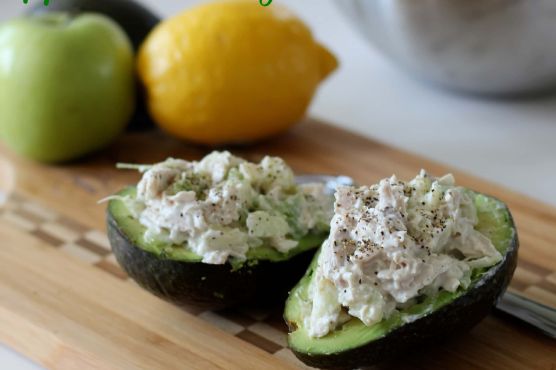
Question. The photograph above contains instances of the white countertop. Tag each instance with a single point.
(508, 142)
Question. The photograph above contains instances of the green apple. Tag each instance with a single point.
(136, 20)
(66, 84)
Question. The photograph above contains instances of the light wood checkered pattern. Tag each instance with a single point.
(265, 330)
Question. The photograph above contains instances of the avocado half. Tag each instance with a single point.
(179, 276)
(356, 345)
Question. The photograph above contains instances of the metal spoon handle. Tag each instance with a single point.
(538, 315)
(331, 182)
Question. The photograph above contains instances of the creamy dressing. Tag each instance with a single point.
(390, 243)
(222, 206)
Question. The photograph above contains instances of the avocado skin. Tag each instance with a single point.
(135, 19)
(455, 318)
(205, 285)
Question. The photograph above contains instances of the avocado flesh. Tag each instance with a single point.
(347, 345)
(177, 274)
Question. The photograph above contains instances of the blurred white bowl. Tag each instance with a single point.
(495, 47)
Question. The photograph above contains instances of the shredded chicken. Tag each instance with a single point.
(392, 242)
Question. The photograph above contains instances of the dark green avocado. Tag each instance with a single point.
(135, 19)
(178, 275)
(356, 345)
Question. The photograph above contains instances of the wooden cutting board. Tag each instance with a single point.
(65, 303)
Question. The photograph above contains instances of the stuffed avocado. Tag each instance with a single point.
(219, 231)
(404, 263)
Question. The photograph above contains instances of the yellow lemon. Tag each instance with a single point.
(231, 71)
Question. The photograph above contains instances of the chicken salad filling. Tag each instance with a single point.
(390, 244)
(221, 206)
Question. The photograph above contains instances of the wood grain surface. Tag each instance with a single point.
(65, 303)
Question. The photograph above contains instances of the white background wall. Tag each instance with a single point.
(512, 143)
